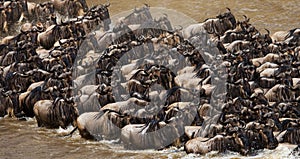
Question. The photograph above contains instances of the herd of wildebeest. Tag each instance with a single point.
(234, 88)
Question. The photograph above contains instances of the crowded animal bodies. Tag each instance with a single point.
(235, 88)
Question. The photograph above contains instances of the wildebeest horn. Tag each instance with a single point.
(13, 5)
(56, 100)
(19, 89)
(246, 18)
(268, 31)
(79, 93)
(42, 5)
(253, 95)
(107, 4)
(34, 29)
(228, 9)
(147, 5)
(68, 100)
(31, 72)
(47, 90)
(61, 22)
(62, 76)
(24, 75)
(75, 85)
(7, 93)
(180, 28)
(22, 31)
(60, 43)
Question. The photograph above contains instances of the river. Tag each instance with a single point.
(23, 139)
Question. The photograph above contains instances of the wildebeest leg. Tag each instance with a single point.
(21, 18)
(10, 112)
(20, 116)
(272, 141)
(247, 146)
(71, 133)
(38, 121)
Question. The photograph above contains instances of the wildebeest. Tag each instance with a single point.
(123, 106)
(50, 36)
(101, 125)
(6, 105)
(138, 16)
(102, 12)
(237, 45)
(3, 22)
(57, 113)
(39, 93)
(237, 139)
(14, 11)
(158, 133)
(216, 26)
(259, 73)
(139, 136)
(287, 36)
(203, 146)
(88, 103)
(41, 12)
(71, 8)
(279, 93)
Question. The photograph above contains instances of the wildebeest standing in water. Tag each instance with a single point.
(101, 125)
(52, 114)
(6, 105)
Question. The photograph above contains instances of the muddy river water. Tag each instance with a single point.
(23, 139)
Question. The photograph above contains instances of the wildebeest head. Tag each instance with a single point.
(164, 23)
(228, 15)
(99, 10)
(138, 16)
(50, 36)
(65, 32)
(66, 111)
(104, 15)
(272, 142)
(84, 5)
(146, 11)
(33, 35)
(72, 111)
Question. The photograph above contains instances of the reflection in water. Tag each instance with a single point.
(23, 139)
